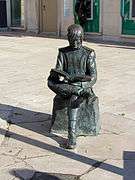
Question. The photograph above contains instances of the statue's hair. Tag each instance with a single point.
(75, 30)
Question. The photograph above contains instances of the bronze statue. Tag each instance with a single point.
(75, 106)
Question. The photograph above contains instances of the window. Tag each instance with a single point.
(3, 14)
(67, 8)
(89, 9)
(17, 13)
(133, 8)
(84, 9)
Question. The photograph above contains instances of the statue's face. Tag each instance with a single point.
(75, 41)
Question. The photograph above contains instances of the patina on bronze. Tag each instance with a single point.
(75, 106)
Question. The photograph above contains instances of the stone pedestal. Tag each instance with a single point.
(88, 122)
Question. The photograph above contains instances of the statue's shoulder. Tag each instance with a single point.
(64, 49)
(88, 50)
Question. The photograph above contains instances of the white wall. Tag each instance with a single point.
(32, 15)
(111, 17)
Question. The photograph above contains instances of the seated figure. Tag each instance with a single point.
(75, 107)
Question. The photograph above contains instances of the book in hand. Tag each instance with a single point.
(66, 76)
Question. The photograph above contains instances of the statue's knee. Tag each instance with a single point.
(75, 101)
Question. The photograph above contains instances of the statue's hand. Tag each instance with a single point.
(76, 78)
(80, 78)
(85, 93)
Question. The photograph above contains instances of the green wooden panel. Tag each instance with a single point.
(91, 25)
(15, 12)
(128, 24)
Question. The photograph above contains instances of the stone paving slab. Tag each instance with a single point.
(42, 152)
(15, 115)
(4, 117)
(3, 125)
(58, 164)
(117, 124)
(16, 171)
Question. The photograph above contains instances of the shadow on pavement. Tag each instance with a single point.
(35, 121)
(127, 172)
(8, 113)
(21, 34)
(69, 154)
(129, 165)
(90, 39)
(116, 46)
(112, 44)
(20, 173)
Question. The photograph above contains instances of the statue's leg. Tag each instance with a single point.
(72, 121)
(72, 127)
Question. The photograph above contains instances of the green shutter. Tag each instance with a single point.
(128, 24)
(91, 25)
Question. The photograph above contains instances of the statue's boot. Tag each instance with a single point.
(71, 134)
(72, 119)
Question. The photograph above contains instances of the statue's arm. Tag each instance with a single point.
(91, 70)
(65, 90)
(60, 61)
(53, 79)
(59, 87)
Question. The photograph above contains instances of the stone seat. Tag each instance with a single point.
(88, 122)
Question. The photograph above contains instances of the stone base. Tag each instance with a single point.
(88, 122)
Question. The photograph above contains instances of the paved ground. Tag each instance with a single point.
(27, 151)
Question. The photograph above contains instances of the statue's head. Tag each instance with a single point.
(75, 36)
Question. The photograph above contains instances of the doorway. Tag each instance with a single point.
(128, 17)
(87, 14)
(48, 16)
(3, 14)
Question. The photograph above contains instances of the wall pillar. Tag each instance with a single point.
(32, 15)
(67, 15)
(111, 17)
(8, 13)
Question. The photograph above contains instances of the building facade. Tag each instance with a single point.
(105, 18)
(111, 20)
(33, 15)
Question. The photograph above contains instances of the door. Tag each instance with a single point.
(3, 14)
(128, 16)
(87, 14)
(16, 13)
(48, 15)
